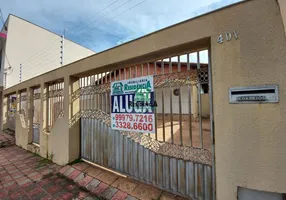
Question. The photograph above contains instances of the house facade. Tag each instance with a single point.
(242, 153)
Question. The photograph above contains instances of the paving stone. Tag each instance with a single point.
(79, 177)
(45, 171)
(23, 180)
(17, 175)
(119, 196)
(90, 198)
(37, 177)
(93, 184)
(44, 182)
(93, 171)
(100, 188)
(64, 169)
(83, 195)
(81, 166)
(5, 178)
(69, 171)
(125, 185)
(131, 198)
(70, 187)
(85, 181)
(48, 185)
(53, 189)
(38, 195)
(66, 195)
(3, 194)
(109, 192)
(58, 194)
(30, 186)
(146, 192)
(34, 173)
(47, 197)
(74, 174)
(17, 194)
(8, 183)
(107, 177)
(168, 196)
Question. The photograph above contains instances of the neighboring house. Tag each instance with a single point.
(28, 50)
(37, 49)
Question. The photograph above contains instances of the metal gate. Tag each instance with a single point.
(36, 115)
(12, 112)
(55, 103)
(178, 157)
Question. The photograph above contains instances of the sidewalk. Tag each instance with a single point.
(24, 175)
(109, 185)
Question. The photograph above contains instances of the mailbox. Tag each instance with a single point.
(254, 94)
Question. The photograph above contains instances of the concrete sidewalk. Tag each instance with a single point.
(110, 185)
(24, 175)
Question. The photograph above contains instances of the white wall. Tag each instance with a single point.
(37, 49)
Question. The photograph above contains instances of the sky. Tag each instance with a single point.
(103, 24)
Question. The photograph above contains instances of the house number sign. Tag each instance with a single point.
(227, 36)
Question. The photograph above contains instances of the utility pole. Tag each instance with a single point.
(63, 47)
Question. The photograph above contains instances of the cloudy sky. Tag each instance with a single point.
(102, 24)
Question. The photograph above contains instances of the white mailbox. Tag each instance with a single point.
(254, 94)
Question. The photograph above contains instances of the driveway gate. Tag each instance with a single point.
(178, 157)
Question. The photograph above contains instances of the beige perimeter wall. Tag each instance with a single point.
(249, 138)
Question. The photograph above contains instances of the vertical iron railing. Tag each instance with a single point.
(181, 93)
(36, 110)
(55, 103)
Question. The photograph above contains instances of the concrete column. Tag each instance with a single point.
(64, 139)
(74, 118)
(5, 113)
(195, 105)
(18, 101)
(30, 107)
(43, 120)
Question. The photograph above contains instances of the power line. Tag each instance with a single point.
(2, 18)
(37, 58)
(107, 14)
(67, 30)
(43, 62)
(97, 20)
(95, 14)
(123, 12)
(39, 51)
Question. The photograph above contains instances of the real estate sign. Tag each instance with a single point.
(132, 105)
